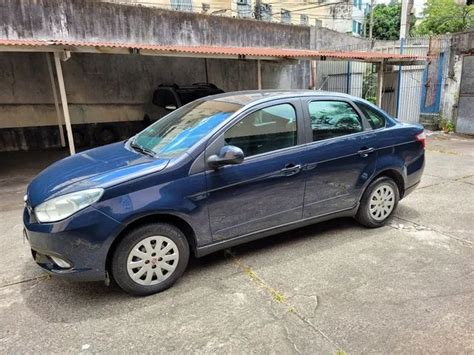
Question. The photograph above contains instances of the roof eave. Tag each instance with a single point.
(270, 54)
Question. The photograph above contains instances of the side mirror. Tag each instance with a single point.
(228, 154)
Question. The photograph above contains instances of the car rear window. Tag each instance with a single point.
(331, 119)
(375, 118)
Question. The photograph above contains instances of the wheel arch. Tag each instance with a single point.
(395, 175)
(168, 218)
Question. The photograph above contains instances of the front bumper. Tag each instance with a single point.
(82, 240)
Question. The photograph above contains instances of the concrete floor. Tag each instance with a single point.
(407, 287)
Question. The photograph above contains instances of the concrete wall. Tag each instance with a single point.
(324, 38)
(113, 89)
(93, 20)
(102, 21)
(110, 88)
(461, 46)
(465, 117)
(100, 88)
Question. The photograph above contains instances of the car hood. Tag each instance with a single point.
(99, 167)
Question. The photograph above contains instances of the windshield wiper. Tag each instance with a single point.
(141, 149)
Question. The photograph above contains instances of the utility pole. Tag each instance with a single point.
(371, 20)
(258, 9)
(404, 24)
(404, 30)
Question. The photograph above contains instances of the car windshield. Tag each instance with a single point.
(181, 129)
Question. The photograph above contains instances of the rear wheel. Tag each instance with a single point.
(150, 259)
(378, 202)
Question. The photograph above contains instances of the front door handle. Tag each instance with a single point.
(291, 169)
(364, 152)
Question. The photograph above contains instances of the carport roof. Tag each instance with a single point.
(224, 52)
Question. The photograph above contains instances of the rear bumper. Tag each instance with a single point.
(414, 172)
(410, 189)
(82, 241)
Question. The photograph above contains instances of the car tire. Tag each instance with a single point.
(378, 203)
(158, 249)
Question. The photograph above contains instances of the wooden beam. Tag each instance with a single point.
(56, 103)
(62, 92)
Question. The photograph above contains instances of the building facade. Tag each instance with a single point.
(343, 16)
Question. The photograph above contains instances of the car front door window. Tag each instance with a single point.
(265, 130)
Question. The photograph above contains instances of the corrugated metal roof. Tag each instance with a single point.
(207, 51)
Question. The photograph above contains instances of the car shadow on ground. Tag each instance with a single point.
(60, 301)
(413, 212)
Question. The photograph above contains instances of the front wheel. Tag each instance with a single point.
(150, 259)
(378, 203)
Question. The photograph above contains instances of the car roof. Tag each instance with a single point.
(255, 96)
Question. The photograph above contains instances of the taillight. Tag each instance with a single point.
(421, 138)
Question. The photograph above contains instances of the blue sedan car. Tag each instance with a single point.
(217, 172)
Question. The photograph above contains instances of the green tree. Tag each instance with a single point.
(386, 21)
(443, 16)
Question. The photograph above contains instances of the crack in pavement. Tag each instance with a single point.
(291, 340)
(447, 152)
(38, 278)
(278, 297)
(417, 299)
(445, 179)
(464, 241)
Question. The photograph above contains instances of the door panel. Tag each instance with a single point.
(341, 158)
(267, 189)
(336, 172)
(256, 194)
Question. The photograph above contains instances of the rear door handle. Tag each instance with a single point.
(364, 152)
(291, 169)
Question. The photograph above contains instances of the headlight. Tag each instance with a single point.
(63, 206)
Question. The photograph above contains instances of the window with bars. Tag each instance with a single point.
(285, 16)
(356, 27)
(181, 5)
(304, 20)
(244, 8)
(266, 12)
(357, 3)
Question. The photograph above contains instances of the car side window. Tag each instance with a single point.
(331, 119)
(376, 119)
(264, 130)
